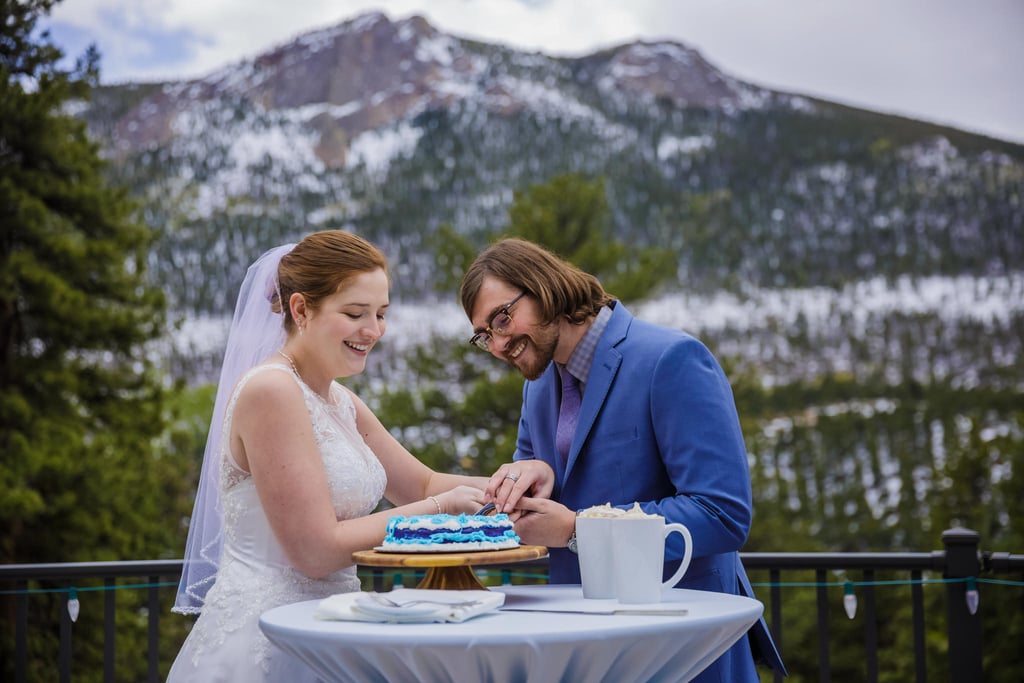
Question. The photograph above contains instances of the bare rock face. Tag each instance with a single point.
(370, 57)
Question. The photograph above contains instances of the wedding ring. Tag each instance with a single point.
(513, 476)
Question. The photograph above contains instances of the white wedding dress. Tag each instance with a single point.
(226, 643)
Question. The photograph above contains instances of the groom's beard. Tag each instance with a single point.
(539, 351)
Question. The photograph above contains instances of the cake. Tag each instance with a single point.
(421, 533)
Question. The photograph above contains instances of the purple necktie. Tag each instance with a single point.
(568, 413)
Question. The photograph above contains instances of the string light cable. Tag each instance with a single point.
(971, 593)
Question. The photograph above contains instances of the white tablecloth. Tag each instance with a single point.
(522, 646)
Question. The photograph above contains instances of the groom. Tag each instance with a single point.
(615, 410)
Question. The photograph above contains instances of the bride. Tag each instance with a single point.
(295, 463)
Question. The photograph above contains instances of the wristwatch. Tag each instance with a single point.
(571, 543)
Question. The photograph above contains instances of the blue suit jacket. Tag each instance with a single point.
(657, 425)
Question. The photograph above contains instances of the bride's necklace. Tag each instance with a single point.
(291, 362)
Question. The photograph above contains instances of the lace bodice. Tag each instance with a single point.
(354, 475)
(254, 573)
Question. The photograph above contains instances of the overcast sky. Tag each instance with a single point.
(957, 62)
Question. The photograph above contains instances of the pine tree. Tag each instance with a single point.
(81, 411)
(569, 215)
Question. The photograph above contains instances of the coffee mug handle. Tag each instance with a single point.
(687, 552)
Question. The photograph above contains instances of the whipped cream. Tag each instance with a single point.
(607, 510)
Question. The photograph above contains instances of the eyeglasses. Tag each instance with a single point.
(499, 325)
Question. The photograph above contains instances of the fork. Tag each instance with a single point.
(384, 600)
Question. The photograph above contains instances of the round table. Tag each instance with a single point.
(451, 571)
(538, 636)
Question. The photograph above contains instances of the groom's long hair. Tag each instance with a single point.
(560, 288)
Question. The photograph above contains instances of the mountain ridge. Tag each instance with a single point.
(396, 130)
(410, 66)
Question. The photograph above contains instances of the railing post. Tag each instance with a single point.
(109, 631)
(64, 652)
(964, 628)
(154, 630)
(21, 632)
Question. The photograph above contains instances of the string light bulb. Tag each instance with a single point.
(73, 605)
(849, 600)
(971, 596)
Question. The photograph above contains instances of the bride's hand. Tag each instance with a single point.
(461, 499)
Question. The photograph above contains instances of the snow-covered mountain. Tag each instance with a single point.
(395, 129)
(371, 73)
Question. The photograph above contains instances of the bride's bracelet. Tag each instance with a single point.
(437, 503)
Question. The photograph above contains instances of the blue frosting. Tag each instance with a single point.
(488, 533)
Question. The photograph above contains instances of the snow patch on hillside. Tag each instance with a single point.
(985, 300)
(377, 148)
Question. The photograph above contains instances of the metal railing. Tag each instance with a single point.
(959, 562)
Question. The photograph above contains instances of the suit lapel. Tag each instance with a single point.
(602, 374)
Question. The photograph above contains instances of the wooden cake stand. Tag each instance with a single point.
(451, 571)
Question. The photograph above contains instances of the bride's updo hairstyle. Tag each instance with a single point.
(320, 266)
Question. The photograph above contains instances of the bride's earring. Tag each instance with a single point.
(300, 319)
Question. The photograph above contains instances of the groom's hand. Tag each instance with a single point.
(514, 480)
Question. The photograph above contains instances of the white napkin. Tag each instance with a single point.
(443, 605)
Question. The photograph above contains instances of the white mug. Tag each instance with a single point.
(596, 554)
(639, 557)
